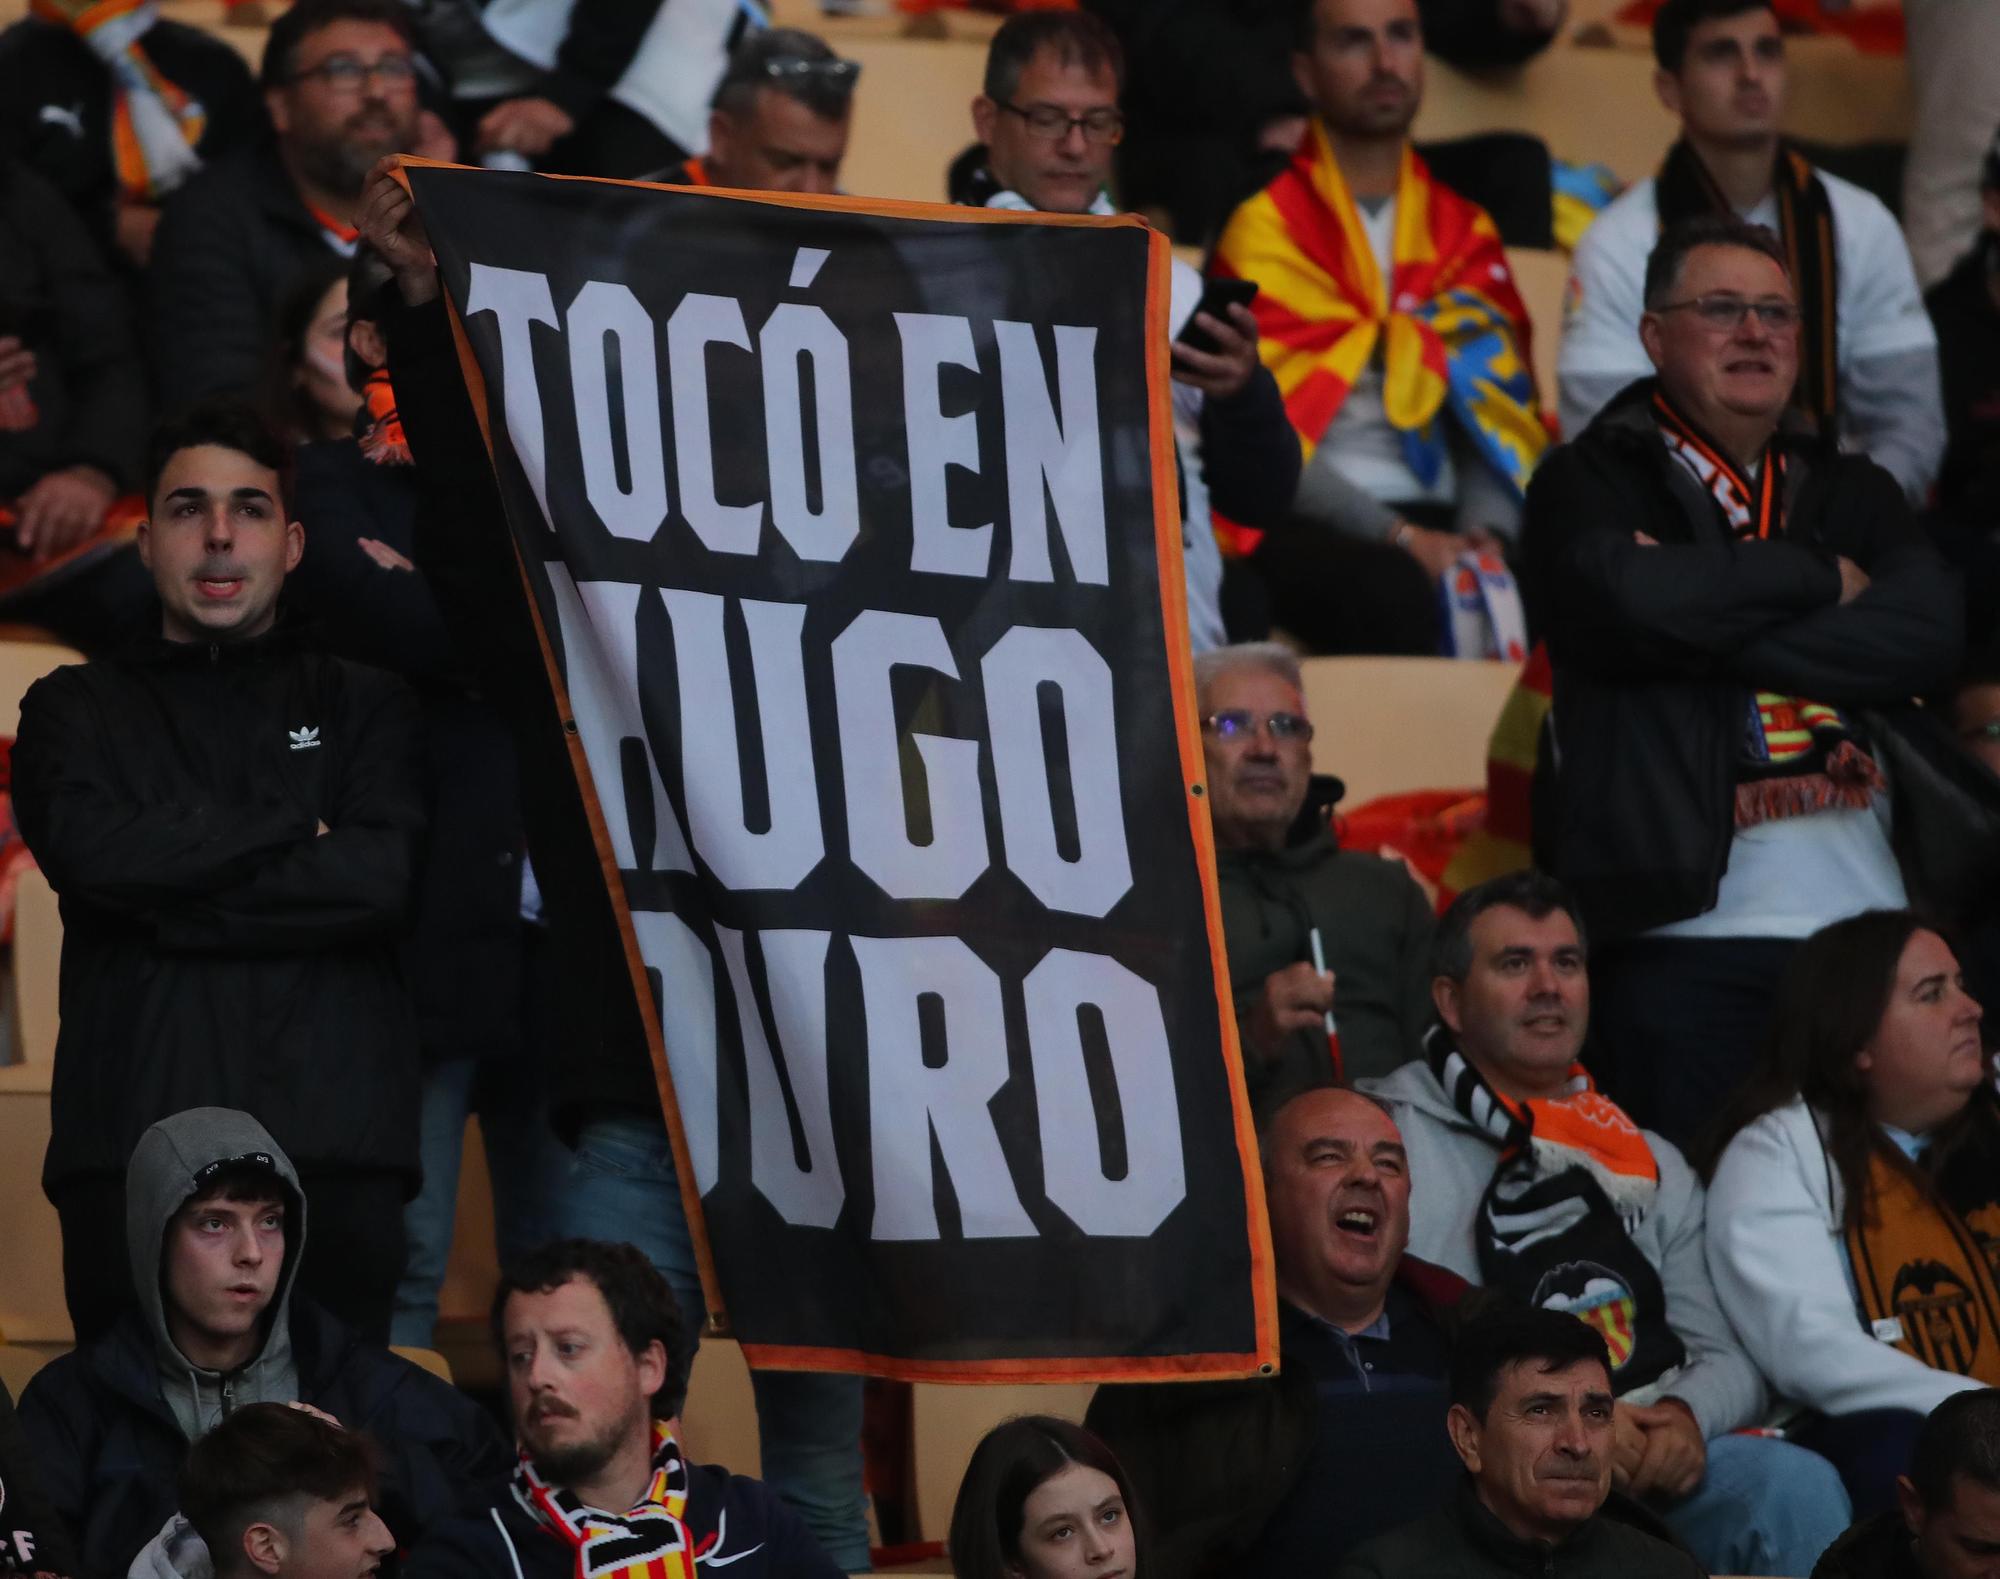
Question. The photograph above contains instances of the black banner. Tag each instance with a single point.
(854, 535)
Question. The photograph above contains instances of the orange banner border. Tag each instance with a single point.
(1263, 1358)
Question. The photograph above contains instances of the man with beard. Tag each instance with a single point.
(590, 1338)
(1534, 1183)
(1391, 322)
(340, 83)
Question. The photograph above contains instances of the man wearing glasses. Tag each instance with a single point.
(1049, 121)
(1302, 918)
(779, 119)
(340, 83)
(1868, 360)
(1735, 609)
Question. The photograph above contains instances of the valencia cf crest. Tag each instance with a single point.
(1940, 1320)
(1595, 1294)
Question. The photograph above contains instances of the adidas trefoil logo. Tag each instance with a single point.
(304, 739)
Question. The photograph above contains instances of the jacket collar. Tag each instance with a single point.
(1311, 837)
(156, 651)
(1628, 418)
(1483, 1529)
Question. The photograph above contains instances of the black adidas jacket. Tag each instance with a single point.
(216, 951)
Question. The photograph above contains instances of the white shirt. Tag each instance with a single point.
(1790, 877)
(1892, 404)
(1360, 442)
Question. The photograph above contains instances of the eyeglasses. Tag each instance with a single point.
(836, 74)
(1990, 730)
(1725, 314)
(345, 74)
(1106, 127)
(1242, 724)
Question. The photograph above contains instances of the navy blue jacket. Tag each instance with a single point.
(738, 1525)
(108, 1450)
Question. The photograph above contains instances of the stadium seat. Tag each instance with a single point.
(720, 1416)
(429, 1359)
(1387, 725)
(1542, 278)
(18, 1364)
(950, 1420)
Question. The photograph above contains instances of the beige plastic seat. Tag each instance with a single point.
(1388, 725)
(950, 1420)
(19, 1363)
(1541, 277)
(720, 1417)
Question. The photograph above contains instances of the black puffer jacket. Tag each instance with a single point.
(58, 295)
(215, 950)
(1657, 649)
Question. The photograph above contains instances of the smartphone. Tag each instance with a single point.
(1217, 297)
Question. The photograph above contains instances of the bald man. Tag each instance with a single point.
(1285, 1474)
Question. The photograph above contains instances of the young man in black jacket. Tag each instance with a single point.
(232, 825)
(218, 1223)
(590, 1337)
(1722, 596)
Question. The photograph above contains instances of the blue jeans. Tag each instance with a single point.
(1764, 1506)
(621, 1185)
(524, 1163)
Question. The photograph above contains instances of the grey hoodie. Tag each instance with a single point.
(1452, 1162)
(168, 1168)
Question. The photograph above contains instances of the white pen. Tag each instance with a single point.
(1319, 964)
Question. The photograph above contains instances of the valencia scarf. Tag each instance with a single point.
(1451, 327)
(1798, 757)
(1805, 226)
(1925, 1259)
(1554, 1228)
(155, 125)
(378, 429)
(650, 1541)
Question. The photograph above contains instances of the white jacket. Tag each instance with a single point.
(1776, 1252)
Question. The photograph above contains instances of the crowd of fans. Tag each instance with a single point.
(1707, 1280)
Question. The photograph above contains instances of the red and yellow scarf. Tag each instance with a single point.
(650, 1541)
(1451, 326)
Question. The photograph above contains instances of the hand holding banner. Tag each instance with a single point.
(852, 534)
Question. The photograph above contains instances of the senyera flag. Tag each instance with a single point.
(852, 531)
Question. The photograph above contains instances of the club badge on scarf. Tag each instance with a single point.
(1479, 610)
(154, 124)
(650, 1541)
(1573, 1181)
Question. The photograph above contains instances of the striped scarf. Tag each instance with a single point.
(1798, 757)
(155, 125)
(1574, 1181)
(1451, 326)
(650, 1541)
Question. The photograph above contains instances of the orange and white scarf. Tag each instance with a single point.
(155, 124)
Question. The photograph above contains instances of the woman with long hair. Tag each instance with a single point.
(1044, 1499)
(1854, 1196)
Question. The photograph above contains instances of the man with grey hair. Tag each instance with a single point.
(1300, 914)
(779, 118)
(1722, 593)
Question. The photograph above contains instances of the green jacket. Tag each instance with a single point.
(1375, 924)
(1465, 1541)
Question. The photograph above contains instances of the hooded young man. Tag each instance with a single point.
(215, 1220)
